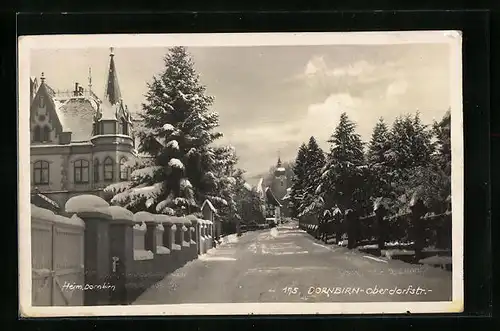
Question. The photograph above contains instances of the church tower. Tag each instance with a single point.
(279, 185)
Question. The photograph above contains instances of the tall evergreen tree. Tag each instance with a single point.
(315, 161)
(227, 181)
(378, 183)
(178, 128)
(342, 172)
(410, 159)
(298, 183)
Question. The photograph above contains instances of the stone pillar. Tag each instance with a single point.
(121, 251)
(94, 211)
(179, 234)
(150, 221)
(194, 231)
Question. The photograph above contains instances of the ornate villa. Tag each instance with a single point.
(79, 143)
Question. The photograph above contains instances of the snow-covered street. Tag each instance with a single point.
(285, 264)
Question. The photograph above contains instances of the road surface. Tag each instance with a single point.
(286, 264)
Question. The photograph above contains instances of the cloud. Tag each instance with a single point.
(397, 88)
(317, 66)
(318, 119)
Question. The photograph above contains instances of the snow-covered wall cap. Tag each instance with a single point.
(73, 221)
(88, 206)
(209, 204)
(193, 219)
(42, 213)
(143, 216)
(179, 220)
(140, 227)
(160, 218)
(120, 214)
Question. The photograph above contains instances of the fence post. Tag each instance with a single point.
(121, 251)
(352, 228)
(418, 209)
(94, 212)
(380, 213)
(150, 221)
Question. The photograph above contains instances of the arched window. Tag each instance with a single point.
(41, 172)
(108, 169)
(42, 101)
(96, 171)
(81, 171)
(123, 169)
(37, 134)
(46, 134)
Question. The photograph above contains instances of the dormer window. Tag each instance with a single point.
(41, 135)
(46, 134)
(124, 127)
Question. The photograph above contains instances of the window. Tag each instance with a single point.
(96, 170)
(123, 169)
(124, 127)
(46, 134)
(281, 182)
(108, 168)
(42, 101)
(81, 173)
(41, 172)
(37, 134)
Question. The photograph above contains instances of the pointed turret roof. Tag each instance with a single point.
(112, 93)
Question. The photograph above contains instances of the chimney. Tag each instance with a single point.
(75, 92)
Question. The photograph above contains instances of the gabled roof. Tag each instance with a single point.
(209, 204)
(52, 106)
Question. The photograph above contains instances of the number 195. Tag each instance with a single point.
(290, 290)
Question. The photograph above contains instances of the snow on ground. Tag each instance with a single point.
(274, 232)
(230, 239)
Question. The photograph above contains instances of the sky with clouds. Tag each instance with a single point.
(272, 98)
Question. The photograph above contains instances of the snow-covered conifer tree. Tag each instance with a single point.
(178, 128)
(343, 169)
(299, 175)
(315, 161)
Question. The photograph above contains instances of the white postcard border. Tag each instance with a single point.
(27, 43)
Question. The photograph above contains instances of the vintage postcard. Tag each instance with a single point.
(234, 174)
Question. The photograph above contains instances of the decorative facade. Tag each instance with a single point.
(79, 143)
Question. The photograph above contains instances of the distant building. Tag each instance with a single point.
(79, 143)
(279, 188)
